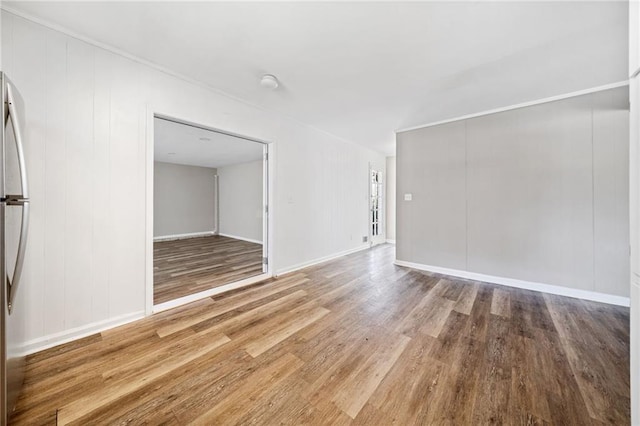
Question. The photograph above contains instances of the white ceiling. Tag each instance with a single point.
(182, 144)
(362, 70)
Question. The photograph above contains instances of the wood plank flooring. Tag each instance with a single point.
(356, 341)
(188, 266)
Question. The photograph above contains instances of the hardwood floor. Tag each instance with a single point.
(188, 266)
(356, 341)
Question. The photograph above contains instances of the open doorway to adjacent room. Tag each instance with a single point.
(209, 210)
(376, 207)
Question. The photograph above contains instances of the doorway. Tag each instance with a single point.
(376, 207)
(210, 212)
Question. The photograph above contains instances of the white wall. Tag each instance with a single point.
(183, 199)
(86, 152)
(391, 199)
(537, 194)
(241, 200)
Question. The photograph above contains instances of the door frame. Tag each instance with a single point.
(268, 216)
(382, 218)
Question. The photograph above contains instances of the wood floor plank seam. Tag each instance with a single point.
(220, 309)
(125, 385)
(186, 266)
(354, 341)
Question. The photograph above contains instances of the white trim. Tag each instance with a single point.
(521, 105)
(391, 241)
(184, 236)
(55, 339)
(528, 285)
(268, 231)
(240, 238)
(149, 182)
(213, 129)
(319, 260)
(150, 111)
(208, 293)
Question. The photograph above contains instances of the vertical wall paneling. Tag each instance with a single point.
(55, 191)
(431, 227)
(126, 252)
(79, 168)
(29, 39)
(610, 191)
(545, 197)
(530, 195)
(101, 271)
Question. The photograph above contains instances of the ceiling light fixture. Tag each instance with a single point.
(205, 139)
(171, 153)
(269, 81)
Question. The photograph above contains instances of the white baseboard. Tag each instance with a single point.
(240, 238)
(184, 236)
(527, 285)
(391, 241)
(317, 261)
(55, 339)
(208, 293)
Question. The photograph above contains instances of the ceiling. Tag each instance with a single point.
(183, 144)
(362, 70)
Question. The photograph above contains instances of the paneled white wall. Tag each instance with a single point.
(86, 152)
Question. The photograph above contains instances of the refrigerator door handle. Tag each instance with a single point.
(17, 132)
(14, 282)
(17, 200)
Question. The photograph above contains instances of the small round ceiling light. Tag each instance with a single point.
(269, 81)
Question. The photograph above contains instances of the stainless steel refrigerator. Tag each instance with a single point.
(14, 222)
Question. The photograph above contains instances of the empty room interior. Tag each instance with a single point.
(208, 212)
(323, 213)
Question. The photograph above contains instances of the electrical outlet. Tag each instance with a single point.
(365, 239)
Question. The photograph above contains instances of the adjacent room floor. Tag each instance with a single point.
(353, 341)
(188, 266)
